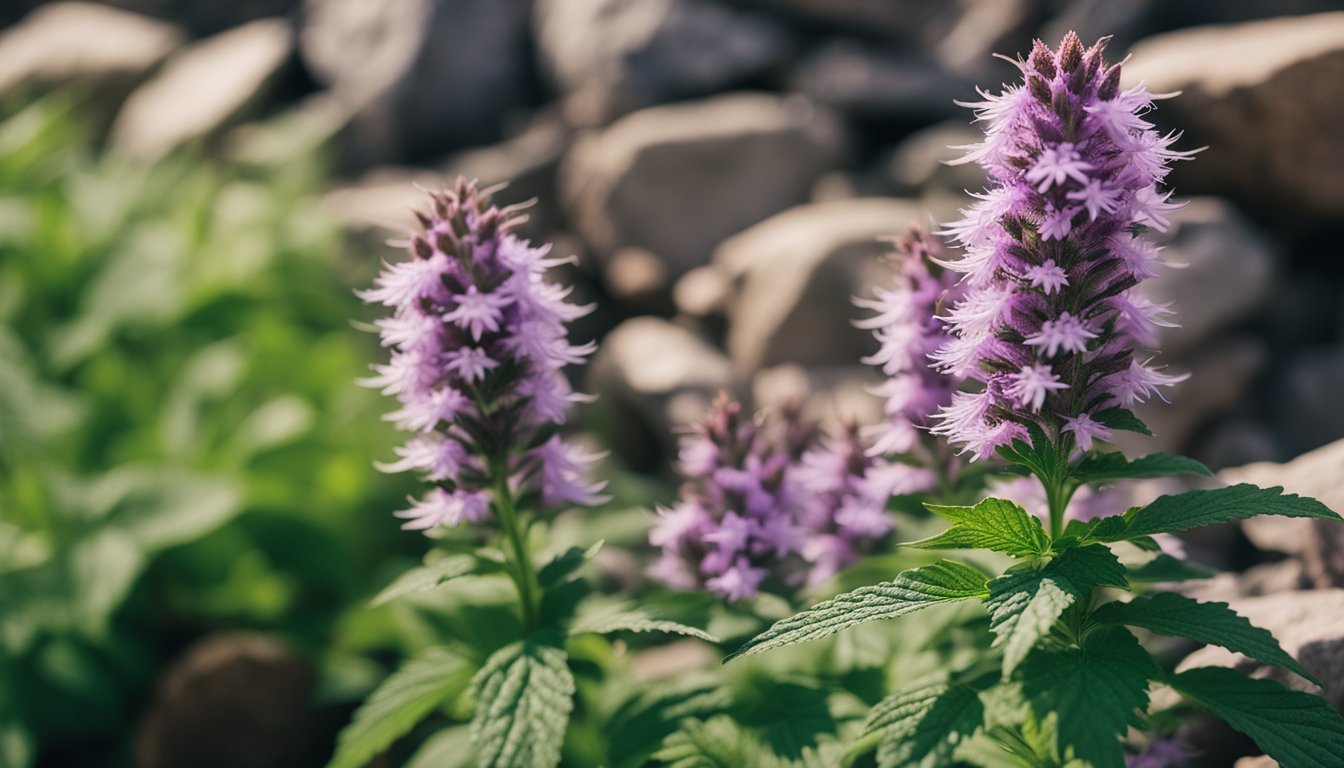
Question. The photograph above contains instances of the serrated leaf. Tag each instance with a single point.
(923, 726)
(640, 725)
(1167, 613)
(994, 524)
(714, 743)
(1090, 567)
(449, 748)
(1040, 455)
(1165, 568)
(426, 577)
(634, 620)
(1194, 509)
(1296, 729)
(565, 563)
(1095, 692)
(524, 695)
(1122, 419)
(911, 590)
(1100, 468)
(787, 717)
(403, 700)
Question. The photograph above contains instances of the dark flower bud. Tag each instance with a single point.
(1043, 60)
(1039, 88)
(1070, 52)
(1110, 84)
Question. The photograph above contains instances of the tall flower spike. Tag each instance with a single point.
(1050, 325)
(845, 512)
(478, 346)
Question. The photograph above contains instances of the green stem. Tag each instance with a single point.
(1056, 495)
(520, 564)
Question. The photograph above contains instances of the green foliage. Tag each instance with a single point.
(714, 743)
(922, 727)
(402, 701)
(1123, 420)
(1195, 509)
(449, 748)
(994, 524)
(1296, 729)
(1023, 606)
(1165, 568)
(917, 588)
(427, 577)
(634, 620)
(524, 695)
(1100, 468)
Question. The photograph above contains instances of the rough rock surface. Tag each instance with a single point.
(676, 180)
(870, 82)
(1307, 405)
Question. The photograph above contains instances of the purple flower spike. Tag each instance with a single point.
(846, 511)
(478, 347)
(1050, 325)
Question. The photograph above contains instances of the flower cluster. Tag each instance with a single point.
(845, 512)
(478, 347)
(1050, 322)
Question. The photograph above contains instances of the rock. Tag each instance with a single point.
(972, 31)
(203, 89)
(1125, 21)
(1235, 442)
(868, 82)
(1226, 274)
(1259, 761)
(1264, 579)
(796, 275)
(652, 377)
(676, 180)
(1306, 398)
(102, 48)
(637, 279)
(892, 20)
(1306, 623)
(831, 397)
(612, 57)
(421, 76)
(1279, 75)
(702, 292)
(1319, 544)
(919, 164)
(233, 700)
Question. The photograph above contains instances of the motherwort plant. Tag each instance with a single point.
(1053, 339)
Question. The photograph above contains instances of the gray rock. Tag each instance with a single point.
(1264, 579)
(1319, 544)
(421, 76)
(638, 280)
(1124, 20)
(1259, 95)
(702, 292)
(203, 89)
(612, 57)
(1307, 398)
(1306, 624)
(888, 18)
(796, 275)
(1259, 761)
(1226, 274)
(1235, 442)
(676, 180)
(64, 43)
(650, 377)
(868, 82)
(830, 397)
(919, 164)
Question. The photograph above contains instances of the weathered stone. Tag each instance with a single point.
(1235, 442)
(1307, 398)
(868, 82)
(830, 397)
(650, 377)
(1259, 761)
(66, 43)
(796, 275)
(1246, 88)
(612, 57)
(638, 280)
(676, 180)
(1306, 624)
(421, 76)
(702, 292)
(1319, 544)
(919, 164)
(203, 89)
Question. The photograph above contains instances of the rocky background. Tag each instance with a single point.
(723, 170)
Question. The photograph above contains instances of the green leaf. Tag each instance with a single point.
(639, 726)
(714, 743)
(786, 716)
(1091, 566)
(426, 577)
(403, 700)
(16, 746)
(921, 727)
(1122, 419)
(994, 524)
(1041, 456)
(1167, 568)
(942, 582)
(449, 748)
(566, 563)
(1094, 691)
(635, 620)
(1297, 729)
(524, 695)
(1193, 509)
(1212, 623)
(1099, 468)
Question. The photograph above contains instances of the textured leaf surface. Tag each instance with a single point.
(1108, 467)
(921, 727)
(1096, 691)
(1194, 509)
(1122, 419)
(524, 695)
(426, 577)
(1167, 568)
(714, 743)
(994, 524)
(942, 582)
(398, 704)
(1212, 623)
(1297, 729)
(635, 621)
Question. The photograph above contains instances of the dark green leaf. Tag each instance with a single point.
(639, 726)
(403, 700)
(921, 727)
(1167, 568)
(565, 564)
(911, 590)
(1193, 509)
(634, 620)
(524, 695)
(788, 717)
(1122, 419)
(1213, 623)
(1099, 468)
(1296, 729)
(1089, 567)
(426, 577)
(993, 524)
(1095, 691)
(714, 743)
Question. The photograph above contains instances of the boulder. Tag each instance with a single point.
(866, 81)
(919, 164)
(206, 87)
(830, 397)
(676, 180)
(1307, 398)
(638, 280)
(1260, 95)
(612, 57)
(795, 277)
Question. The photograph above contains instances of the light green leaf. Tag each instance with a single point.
(565, 563)
(714, 743)
(942, 582)
(403, 700)
(1101, 468)
(449, 748)
(922, 727)
(1094, 691)
(994, 524)
(1297, 729)
(524, 695)
(634, 620)
(1213, 623)
(426, 577)
(1194, 509)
